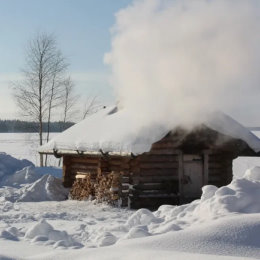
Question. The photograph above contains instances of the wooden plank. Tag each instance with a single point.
(156, 192)
(153, 165)
(157, 172)
(163, 145)
(216, 165)
(163, 151)
(159, 158)
(153, 179)
(213, 171)
(149, 186)
(83, 166)
(82, 159)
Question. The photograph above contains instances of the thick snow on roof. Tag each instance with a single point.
(116, 131)
(226, 125)
(109, 130)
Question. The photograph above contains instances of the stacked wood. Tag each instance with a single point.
(107, 186)
(83, 186)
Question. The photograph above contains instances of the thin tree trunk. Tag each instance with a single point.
(40, 109)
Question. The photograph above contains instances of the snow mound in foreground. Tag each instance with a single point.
(253, 173)
(236, 235)
(239, 197)
(9, 165)
(44, 189)
(43, 232)
(28, 184)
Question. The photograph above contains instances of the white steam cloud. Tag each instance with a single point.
(173, 61)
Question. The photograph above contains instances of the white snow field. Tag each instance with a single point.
(23, 146)
(37, 222)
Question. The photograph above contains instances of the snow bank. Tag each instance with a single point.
(239, 197)
(44, 189)
(44, 233)
(9, 165)
(29, 183)
(253, 173)
(136, 139)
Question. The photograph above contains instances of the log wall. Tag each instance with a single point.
(220, 169)
(154, 176)
(148, 180)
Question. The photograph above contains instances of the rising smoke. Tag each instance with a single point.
(174, 61)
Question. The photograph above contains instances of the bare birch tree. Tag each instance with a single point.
(91, 106)
(37, 93)
(69, 101)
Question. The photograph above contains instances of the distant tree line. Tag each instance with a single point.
(18, 126)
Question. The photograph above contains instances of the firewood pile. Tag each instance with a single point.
(107, 186)
(83, 186)
(103, 187)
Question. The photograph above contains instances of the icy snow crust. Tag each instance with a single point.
(117, 131)
(225, 221)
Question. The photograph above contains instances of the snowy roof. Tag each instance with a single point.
(112, 130)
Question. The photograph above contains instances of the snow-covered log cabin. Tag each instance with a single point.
(108, 158)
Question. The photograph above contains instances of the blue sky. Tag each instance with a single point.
(82, 29)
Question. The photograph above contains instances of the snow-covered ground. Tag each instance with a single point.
(223, 224)
(23, 146)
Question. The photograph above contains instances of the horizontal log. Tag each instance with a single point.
(158, 146)
(118, 168)
(84, 160)
(153, 179)
(117, 162)
(157, 172)
(162, 152)
(83, 166)
(158, 165)
(216, 165)
(159, 158)
(149, 186)
(151, 192)
(158, 195)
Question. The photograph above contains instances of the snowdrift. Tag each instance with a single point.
(28, 184)
(44, 232)
(9, 165)
(221, 220)
(44, 189)
(241, 196)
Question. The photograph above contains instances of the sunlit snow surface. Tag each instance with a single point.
(23, 146)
